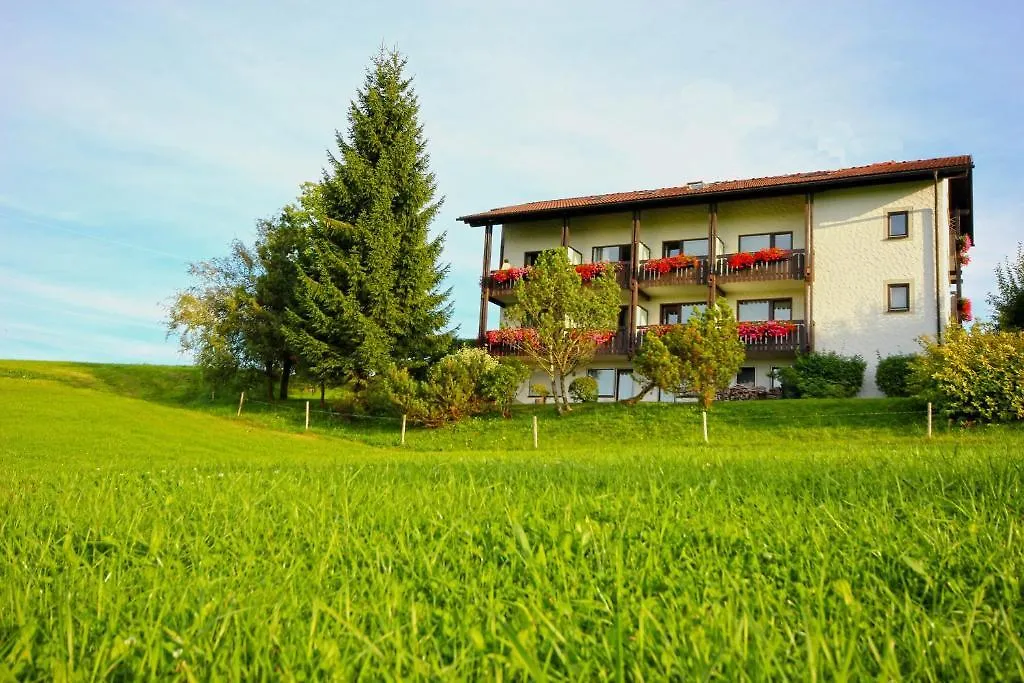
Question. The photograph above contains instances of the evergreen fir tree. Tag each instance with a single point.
(369, 292)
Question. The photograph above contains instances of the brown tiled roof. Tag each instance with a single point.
(886, 170)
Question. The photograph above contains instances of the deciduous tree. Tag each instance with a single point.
(1008, 301)
(568, 317)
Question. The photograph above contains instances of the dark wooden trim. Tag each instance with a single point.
(565, 231)
(485, 283)
(501, 246)
(938, 278)
(713, 288)
(634, 287)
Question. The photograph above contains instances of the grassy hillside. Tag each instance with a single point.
(143, 538)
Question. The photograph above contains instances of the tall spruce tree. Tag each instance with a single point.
(369, 292)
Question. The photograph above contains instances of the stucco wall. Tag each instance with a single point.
(519, 238)
(854, 261)
(755, 216)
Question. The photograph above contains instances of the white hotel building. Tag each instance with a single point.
(871, 259)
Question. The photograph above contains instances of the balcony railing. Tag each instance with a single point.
(651, 274)
(619, 345)
(729, 268)
(759, 337)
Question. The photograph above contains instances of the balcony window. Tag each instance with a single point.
(779, 240)
(697, 247)
(899, 297)
(764, 309)
(676, 314)
(605, 381)
(898, 225)
(614, 253)
(641, 316)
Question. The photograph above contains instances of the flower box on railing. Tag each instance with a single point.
(764, 330)
(587, 272)
(746, 259)
(515, 337)
(670, 263)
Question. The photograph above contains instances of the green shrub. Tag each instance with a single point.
(467, 382)
(501, 383)
(823, 375)
(542, 390)
(893, 375)
(583, 389)
(977, 374)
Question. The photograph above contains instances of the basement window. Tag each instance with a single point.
(899, 225)
(746, 376)
(899, 297)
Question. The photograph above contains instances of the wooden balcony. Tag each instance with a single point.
(619, 345)
(696, 274)
(789, 268)
(760, 345)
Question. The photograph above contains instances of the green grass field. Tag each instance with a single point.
(146, 532)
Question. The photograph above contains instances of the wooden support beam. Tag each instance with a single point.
(565, 231)
(634, 286)
(713, 289)
(485, 281)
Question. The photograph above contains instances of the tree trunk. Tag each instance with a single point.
(639, 397)
(554, 393)
(269, 370)
(323, 392)
(286, 373)
(565, 395)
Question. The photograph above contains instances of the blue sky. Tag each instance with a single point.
(136, 137)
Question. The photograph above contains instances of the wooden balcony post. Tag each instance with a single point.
(809, 268)
(634, 287)
(565, 231)
(712, 251)
(485, 282)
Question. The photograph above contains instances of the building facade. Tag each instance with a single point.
(861, 260)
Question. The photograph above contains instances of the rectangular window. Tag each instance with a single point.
(764, 309)
(617, 252)
(626, 387)
(899, 225)
(899, 297)
(605, 381)
(745, 376)
(641, 316)
(695, 247)
(530, 258)
(779, 240)
(623, 317)
(677, 314)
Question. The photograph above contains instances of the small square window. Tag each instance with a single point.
(745, 376)
(899, 297)
(899, 225)
(530, 258)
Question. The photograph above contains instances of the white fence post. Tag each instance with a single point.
(403, 428)
(704, 420)
(241, 400)
(307, 416)
(929, 419)
(535, 432)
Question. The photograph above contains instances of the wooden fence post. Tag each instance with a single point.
(403, 428)
(704, 421)
(241, 400)
(929, 419)
(307, 416)
(535, 445)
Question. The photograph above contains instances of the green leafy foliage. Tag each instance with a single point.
(467, 382)
(583, 389)
(566, 313)
(369, 294)
(892, 376)
(823, 375)
(701, 355)
(975, 374)
(1008, 300)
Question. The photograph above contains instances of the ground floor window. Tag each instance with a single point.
(746, 376)
(605, 381)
